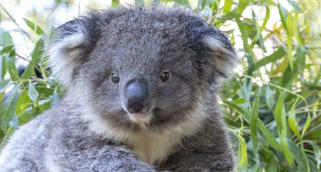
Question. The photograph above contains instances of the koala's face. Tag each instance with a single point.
(146, 75)
(143, 67)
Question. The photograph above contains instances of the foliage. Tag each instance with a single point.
(272, 105)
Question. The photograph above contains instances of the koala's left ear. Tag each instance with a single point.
(216, 54)
(71, 45)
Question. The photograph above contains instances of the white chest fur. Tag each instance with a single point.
(154, 147)
(151, 147)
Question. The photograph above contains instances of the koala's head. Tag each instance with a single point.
(141, 65)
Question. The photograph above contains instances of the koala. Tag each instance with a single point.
(142, 87)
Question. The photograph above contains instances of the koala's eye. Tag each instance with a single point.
(164, 76)
(114, 77)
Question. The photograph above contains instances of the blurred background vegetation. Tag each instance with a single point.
(272, 105)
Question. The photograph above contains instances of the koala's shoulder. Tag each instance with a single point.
(25, 148)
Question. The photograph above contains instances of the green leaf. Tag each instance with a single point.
(295, 30)
(38, 51)
(239, 101)
(295, 6)
(306, 125)
(7, 49)
(290, 25)
(32, 92)
(34, 27)
(244, 33)
(55, 98)
(242, 154)
(300, 156)
(241, 111)
(254, 116)
(299, 64)
(4, 84)
(1, 99)
(279, 111)
(270, 97)
(214, 5)
(5, 38)
(227, 6)
(268, 136)
(3, 66)
(283, 15)
(316, 150)
(12, 69)
(7, 108)
(241, 6)
(272, 166)
(23, 102)
(291, 120)
(280, 118)
(44, 90)
(245, 36)
(266, 19)
(36, 58)
(278, 54)
(139, 2)
(114, 3)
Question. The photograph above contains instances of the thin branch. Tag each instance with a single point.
(23, 58)
(15, 22)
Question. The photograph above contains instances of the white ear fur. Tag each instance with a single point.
(222, 58)
(64, 54)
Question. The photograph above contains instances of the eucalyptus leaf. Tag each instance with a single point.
(32, 92)
(8, 106)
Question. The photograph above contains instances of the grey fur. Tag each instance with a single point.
(91, 130)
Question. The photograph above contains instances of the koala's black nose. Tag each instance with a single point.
(137, 97)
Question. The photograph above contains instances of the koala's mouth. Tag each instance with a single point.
(154, 119)
(143, 118)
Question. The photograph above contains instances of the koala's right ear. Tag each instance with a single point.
(216, 54)
(72, 43)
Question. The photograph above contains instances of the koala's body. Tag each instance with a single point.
(142, 86)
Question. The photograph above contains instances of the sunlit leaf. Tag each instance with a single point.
(32, 92)
(4, 84)
(306, 125)
(55, 98)
(280, 118)
(227, 6)
(299, 64)
(34, 27)
(11, 66)
(114, 3)
(292, 31)
(292, 122)
(241, 6)
(278, 54)
(283, 15)
(5, 38)
(23, 102)
(295, 6)
(7, 108)
(242, 152)
(36, 58)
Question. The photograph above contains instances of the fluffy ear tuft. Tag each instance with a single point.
(64, 56)
(71, 46)
(216, 56)
(219, 56)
